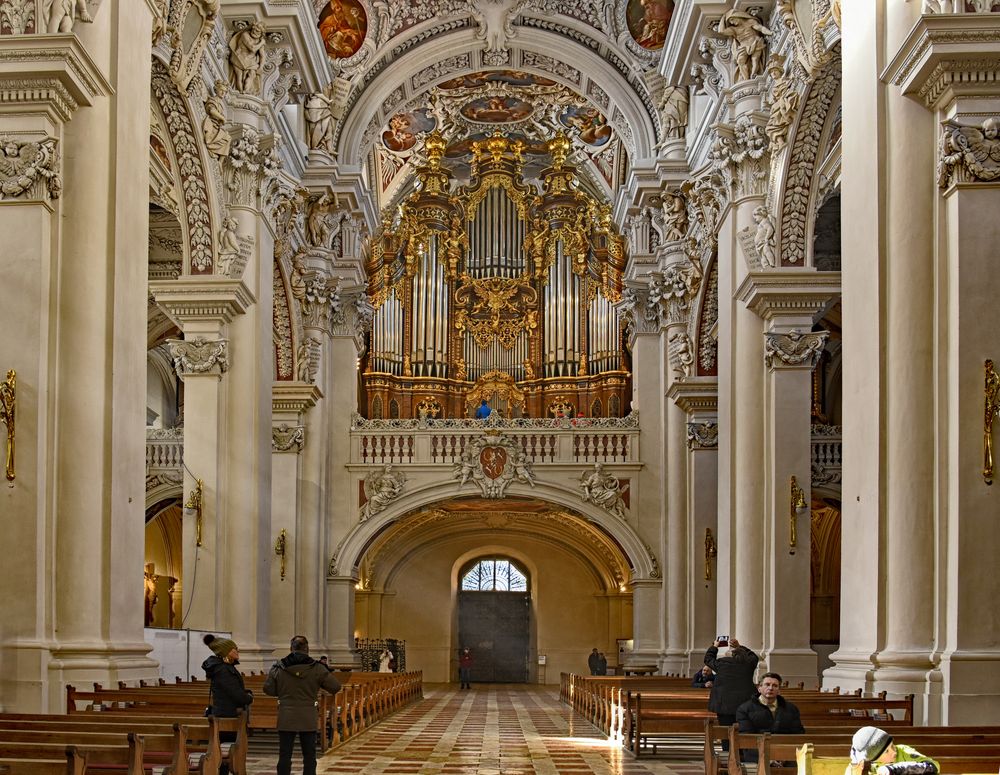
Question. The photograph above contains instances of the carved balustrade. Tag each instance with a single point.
(827, 454)
(565, 441)
(164, 450)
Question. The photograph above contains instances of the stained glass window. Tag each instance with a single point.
(495, 574)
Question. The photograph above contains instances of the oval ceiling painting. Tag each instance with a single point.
(590, 124)
(404, 128)
(343, 25)
(496, 110)
(648, 21)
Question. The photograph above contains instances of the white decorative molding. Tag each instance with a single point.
(294, 397)
(948, 56)
(680, 351)
(199, 356)
(253, 162)
(788, 293)
(794, 348)
(382, 486)
(188, 50)
(603, 489)
(53, 73)
(288, 438)
(703, 435)
(969, 154)
(29, 169)
(201, 299)
(493, 461)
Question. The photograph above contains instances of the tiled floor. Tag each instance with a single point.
(500, 729)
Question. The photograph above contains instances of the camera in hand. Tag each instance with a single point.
(723, 640)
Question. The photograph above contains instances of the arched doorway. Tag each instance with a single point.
(494, 619)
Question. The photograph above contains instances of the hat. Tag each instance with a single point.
(868, 744)
(219, 646)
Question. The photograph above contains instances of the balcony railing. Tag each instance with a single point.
(827, 454)
(558, 441)
(164, 459)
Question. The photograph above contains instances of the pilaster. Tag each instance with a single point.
(950, 65)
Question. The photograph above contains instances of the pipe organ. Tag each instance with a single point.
(497, 289)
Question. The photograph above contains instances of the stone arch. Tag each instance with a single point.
(799, 182)
(639, 556)
(455, 45)
(187, 146)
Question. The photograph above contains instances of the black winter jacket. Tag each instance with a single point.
(229, 693)
(733, 683)
(754, 717)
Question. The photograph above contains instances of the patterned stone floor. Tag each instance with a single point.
(499, 729)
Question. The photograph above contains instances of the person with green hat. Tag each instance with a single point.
(228, 694)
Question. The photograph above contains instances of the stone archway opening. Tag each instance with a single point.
(411, 580)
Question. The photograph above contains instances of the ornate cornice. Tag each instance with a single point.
(199, 356)
(696, 395)
(787, 292)
(794, 349)
(294, 397)
(53, 71)
(198, 299)
(946, 56)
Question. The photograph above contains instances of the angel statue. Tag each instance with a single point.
(976, 150)
(603, 489)
(381, 488)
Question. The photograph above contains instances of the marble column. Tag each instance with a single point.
(649, 365)
(789, 301)
(953, 86)
(290, 402)
(892, 543)
(697, 397)
(76, 297)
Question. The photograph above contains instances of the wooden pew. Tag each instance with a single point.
(73, 762)
(126, 757)
(952, 759)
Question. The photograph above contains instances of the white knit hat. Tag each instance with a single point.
(868, 744)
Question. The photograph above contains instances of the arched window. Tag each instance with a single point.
(494, 574)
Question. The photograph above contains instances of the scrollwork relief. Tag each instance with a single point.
(493, 462)
(794, 348)
(969, 153)
(187, 55)
(29, 169)
(703, 435)
(288, 438)
(199, 356)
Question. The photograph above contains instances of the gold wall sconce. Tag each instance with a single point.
(992, 409)
(797, 504)
(281, 549)
(8, 406)
(194, 503)
(711, 551)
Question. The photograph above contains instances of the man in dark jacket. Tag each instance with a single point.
(594, 661)
(769, 711)
(733, 683)
(296, 681)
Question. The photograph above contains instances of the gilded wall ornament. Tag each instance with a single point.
(8, 410)
(992, 410)
(794, 348)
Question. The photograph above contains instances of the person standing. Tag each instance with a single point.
(465, 668)
(733, 684)
(594, 661)
(227, 692)
(296, 681)
(602, 664)
(484, 410)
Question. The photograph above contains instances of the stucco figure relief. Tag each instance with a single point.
(217, 139)
(674, 112)
(62, 14)
(748, 41)
(603, 489)
(382, 487)
(246, 58)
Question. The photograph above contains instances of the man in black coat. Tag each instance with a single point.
(769, 711)
(733, 682)
(594, 661)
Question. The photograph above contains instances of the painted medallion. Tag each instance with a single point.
(648, 21)
(343, 25)
(590, 124)
(404, 127)
(496, 110)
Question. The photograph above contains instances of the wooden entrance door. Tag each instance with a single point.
(495, 626)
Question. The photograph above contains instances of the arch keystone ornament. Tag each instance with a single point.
(494, 461)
